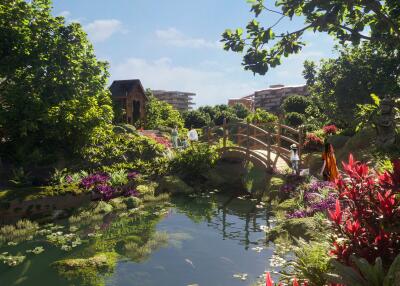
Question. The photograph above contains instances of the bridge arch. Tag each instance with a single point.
(266, 146)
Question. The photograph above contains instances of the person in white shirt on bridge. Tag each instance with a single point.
(294, 158)
(192, 135)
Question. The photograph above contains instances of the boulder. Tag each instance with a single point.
(174, 185)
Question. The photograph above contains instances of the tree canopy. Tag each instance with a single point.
(374, 21)
(161, 114)
(53, 93)
(338, 86)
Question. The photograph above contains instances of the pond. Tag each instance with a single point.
(201, 240)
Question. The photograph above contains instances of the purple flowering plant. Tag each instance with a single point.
(314, 199)
(101, 184)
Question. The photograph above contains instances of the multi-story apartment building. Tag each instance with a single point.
(247, 101)
(181, 101)
(270, 99)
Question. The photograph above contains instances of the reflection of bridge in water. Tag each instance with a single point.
(246, 229)
(266, 146)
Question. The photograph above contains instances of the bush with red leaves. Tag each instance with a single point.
(160, 140)
(313, 142)
(330, 129)
(366, 219)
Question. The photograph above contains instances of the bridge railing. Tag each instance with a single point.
(271, 137)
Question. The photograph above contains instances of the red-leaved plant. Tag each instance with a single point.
(330, 129)
(313, 142)
(367, 215)
(269, 282)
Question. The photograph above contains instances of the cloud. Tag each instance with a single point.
(212, 86)
(176, 38)
(64, 14)
(101, 30)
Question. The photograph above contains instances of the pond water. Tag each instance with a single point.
(203, 240)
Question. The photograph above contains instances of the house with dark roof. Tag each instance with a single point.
(129, 99)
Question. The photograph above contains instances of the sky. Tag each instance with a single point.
(174, 45)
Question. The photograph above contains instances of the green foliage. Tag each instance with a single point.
(294, 119)
(128, 150)
(193, 161)
(160, 113)
(367, 113)
(261, 116)
(365, 274)
(311, 263)
(20, 178)
(241, 111)
(377, 22)
(196, 118)
(343, 86)
(53, 89)
(22, 230)
(295, 103)
(87, 269)
(217, 113)
(118, 178)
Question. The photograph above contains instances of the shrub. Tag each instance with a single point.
(120, 149)
(196, 119)
(294, 119)
(330, 129)
(160, 113)
(313, 142)
(261, 116)
(194, 160)
(366, 219)
(295, 103)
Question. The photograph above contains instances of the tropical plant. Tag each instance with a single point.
(364, 274)
(366, 218)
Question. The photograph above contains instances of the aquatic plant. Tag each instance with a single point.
(86, 270)
(23, 230)
(37, 250)
(11, 260)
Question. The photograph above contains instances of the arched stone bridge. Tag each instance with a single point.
(266, 145)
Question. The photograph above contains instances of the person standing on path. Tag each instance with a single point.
(192, 135)
(329, 169)
(174, 136)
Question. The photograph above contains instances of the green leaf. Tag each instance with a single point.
(393, 274)
(376, 99)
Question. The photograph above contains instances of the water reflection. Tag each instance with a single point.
(202, 240)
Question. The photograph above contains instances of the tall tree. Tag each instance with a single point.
(53, 94)
(339, 85)
(352, 21)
